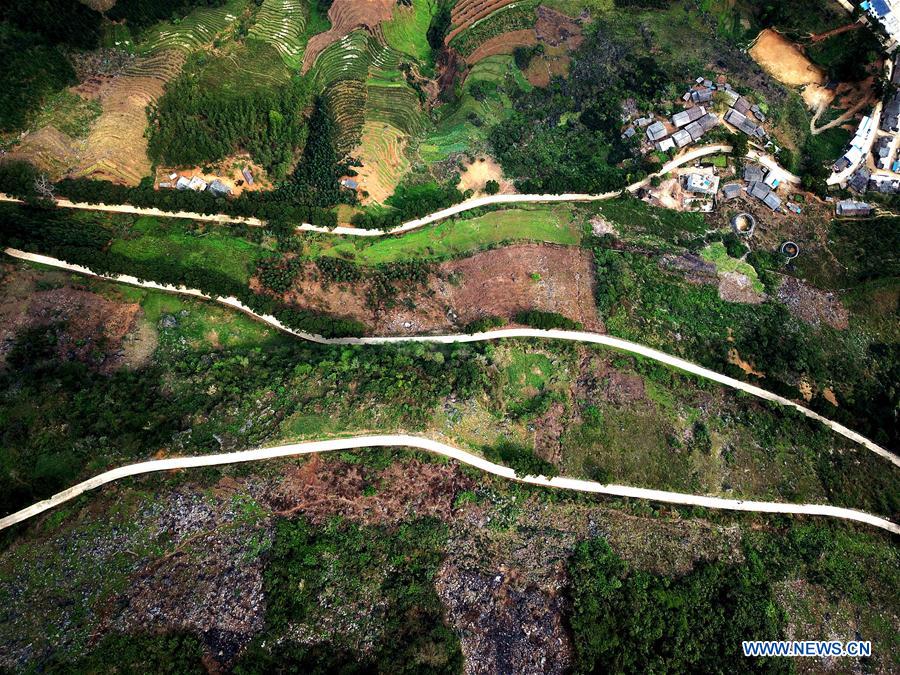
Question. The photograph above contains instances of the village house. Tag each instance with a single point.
(731, 190)
(702, 184)
(850, 208)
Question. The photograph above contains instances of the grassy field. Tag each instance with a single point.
(406, 31)
(453, 237)
(213, 250)
(199, 325)
(717, 255)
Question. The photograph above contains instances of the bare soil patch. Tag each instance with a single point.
(784, 60)
(737, 287)
(555, 28)
(323, 489)
(735, 358)
(50, 150)
(476, 174)
(105, 334)
(813, 305)
(498, 282)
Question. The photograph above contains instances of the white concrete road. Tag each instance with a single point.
(436, 447)
(456, 209)
(573, 336)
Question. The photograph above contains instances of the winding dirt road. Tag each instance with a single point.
(438, 448)
(468, 205)
(572, 336)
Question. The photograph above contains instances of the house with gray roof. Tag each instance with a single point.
(859, 181)
(695, 130)
(850, 208)
(773, 201)
(754, 173)
(218, 189)
(703, 95)
(731, 190)
(742, 105)
(708, 121)
(685, 117)
(656, 131)
(682, 138)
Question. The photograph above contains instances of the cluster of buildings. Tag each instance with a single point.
(741, 116)
(215, 187)
(689, 125)
(884, 12)
(761, 185)
(859, 145)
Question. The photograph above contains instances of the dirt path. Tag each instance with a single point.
(834, 31)
(444, 450)
(571, 336)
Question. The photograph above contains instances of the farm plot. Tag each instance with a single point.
(390, 98)
(467, 12)
(197, 29)
(116, 148)
(281, 23)
(508, 19)
(495, 76)
(346, 16)
(381, 153)
(346, 59)
(408, 29)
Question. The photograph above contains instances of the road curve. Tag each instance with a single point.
(436, 447)
(572, 336)
(456, 209)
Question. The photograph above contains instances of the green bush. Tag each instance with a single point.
(546, 320)
(521, 459)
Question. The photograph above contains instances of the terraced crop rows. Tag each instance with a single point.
(347, 99)
(197, 29)
(467, 12)
(346, 59)
(509, 18)
(116, 148)
(281, 23)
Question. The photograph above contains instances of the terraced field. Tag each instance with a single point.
(281, 23)
(197, 29)
(116, 148)
(346, 59)
(407, 30)
(496, 19)
(390, 98)
(381, 151)
(468, 12)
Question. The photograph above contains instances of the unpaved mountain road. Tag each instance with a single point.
(438, 448)
(572, 336)
(468, 205)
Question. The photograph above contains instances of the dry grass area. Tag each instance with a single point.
(381, 152)
(500, 282)
(50, 150)
(116, 149)
(346, 16)
(503, 44)
(784, 60)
